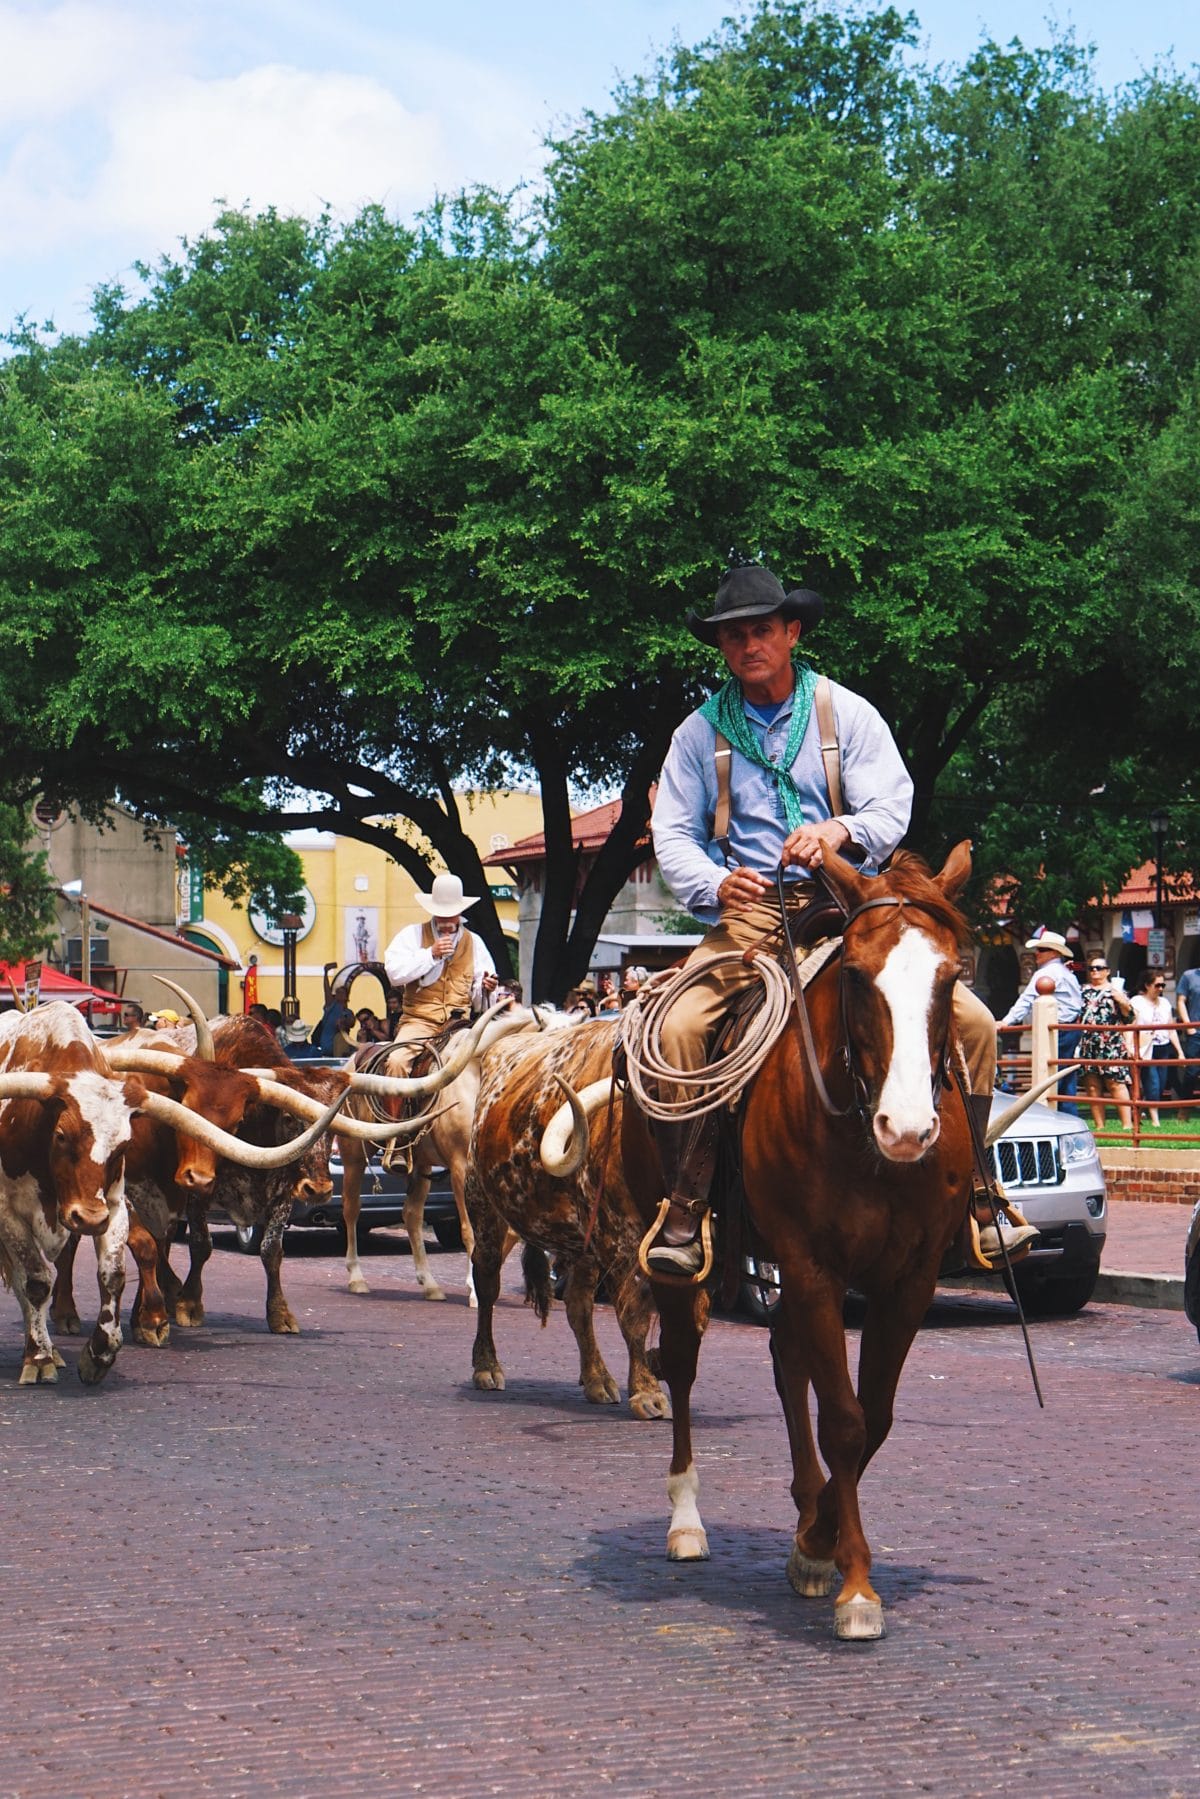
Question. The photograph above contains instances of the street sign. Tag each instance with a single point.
(195, 893)
(1156, 949)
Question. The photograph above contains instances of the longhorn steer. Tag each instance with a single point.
(507, 1187)
(250, 1196)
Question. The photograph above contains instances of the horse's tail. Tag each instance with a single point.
(535, 1266)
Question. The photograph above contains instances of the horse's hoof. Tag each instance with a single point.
(602, 1391)
(69, 1326)
(489, 1380)
(858, 1620)
(433, 1291)
(650, 1405)
(811, 1578)
(687, 1545)
(92, 1369)
(188, 1317)
(359, 1285)
(472, 1302)
(152, 1336)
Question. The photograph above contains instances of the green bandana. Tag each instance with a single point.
(726, 713)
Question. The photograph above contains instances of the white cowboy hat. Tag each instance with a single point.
(1051, 940)
(446, 898)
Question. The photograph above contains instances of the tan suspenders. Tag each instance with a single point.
(830, 759)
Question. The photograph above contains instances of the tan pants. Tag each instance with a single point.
(691, 1024)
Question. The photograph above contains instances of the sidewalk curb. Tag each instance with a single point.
(1162, 1292)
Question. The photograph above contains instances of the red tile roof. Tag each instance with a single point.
(589, 831)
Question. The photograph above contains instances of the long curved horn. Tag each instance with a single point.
(300, 1105)
(1011, 1113)
(248, 1155)
(205, 1048)
(26, 1085)
(387, 1086)
(565, 1139)
(134, 1058)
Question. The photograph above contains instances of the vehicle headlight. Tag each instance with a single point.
(1079, 1147)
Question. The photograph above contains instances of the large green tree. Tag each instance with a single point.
(334, 520)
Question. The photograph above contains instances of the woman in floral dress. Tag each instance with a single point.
(1104, 1053)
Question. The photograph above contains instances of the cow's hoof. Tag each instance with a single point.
(189, 1314)
(431, 1290)
(489, 1380)
(152, 1336)
(359, 1285)
(33, 1372)
(93, 1368)
(68, 1326)
(858, 1620)
(687, 1545)
(811, 1578)
(603, 1390)
(283, 1325)
(650, 1404)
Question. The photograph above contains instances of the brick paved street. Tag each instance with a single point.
(325, 1565)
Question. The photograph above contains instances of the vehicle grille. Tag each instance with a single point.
(1027, 1162)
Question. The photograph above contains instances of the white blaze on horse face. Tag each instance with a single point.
(906, 1121)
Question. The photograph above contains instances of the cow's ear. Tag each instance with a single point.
(135, 1094)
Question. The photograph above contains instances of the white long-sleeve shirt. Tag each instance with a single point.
(407, 959)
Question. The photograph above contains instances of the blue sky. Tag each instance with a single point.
(122, 122)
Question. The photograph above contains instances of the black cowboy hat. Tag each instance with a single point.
(752, 592)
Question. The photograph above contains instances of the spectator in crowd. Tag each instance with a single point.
(342, 1042)
(1104, 1053)
(133, 1016)
(1187, 1011)
(335, 1006)
(607, 997)
(631, 980)
(583, 997)
(295, 1039)
(393, 1012)
(274, 1023)
(164, 1020)
(371, 1028)
(1052, 954)
(1157, 1044)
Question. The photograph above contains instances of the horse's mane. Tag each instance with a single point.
(910, 875)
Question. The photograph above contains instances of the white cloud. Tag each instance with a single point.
(116, 134)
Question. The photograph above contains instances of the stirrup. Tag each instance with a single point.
(677, 1280)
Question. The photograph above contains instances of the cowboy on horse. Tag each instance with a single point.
(776, 771)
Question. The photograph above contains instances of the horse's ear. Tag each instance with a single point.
(847, 884)
(957, 872)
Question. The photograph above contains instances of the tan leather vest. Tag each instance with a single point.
(451, 992)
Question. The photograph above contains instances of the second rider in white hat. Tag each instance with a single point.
(441, 968)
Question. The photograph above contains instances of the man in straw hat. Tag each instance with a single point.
(1052, 954)
(775, 806)
(441, 969)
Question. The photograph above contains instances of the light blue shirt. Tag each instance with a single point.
(1067, 997)
(876, 789)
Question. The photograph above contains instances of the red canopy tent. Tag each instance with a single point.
(55, 984)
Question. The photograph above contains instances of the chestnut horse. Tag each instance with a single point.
(856, 1176)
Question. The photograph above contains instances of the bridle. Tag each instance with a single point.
(860, 1103)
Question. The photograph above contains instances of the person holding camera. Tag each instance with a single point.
(1104, 1053)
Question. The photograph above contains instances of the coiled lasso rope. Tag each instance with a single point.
(719, 1082)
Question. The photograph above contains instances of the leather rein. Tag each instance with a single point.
(860, 1102)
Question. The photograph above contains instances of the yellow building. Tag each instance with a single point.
(356, 899)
